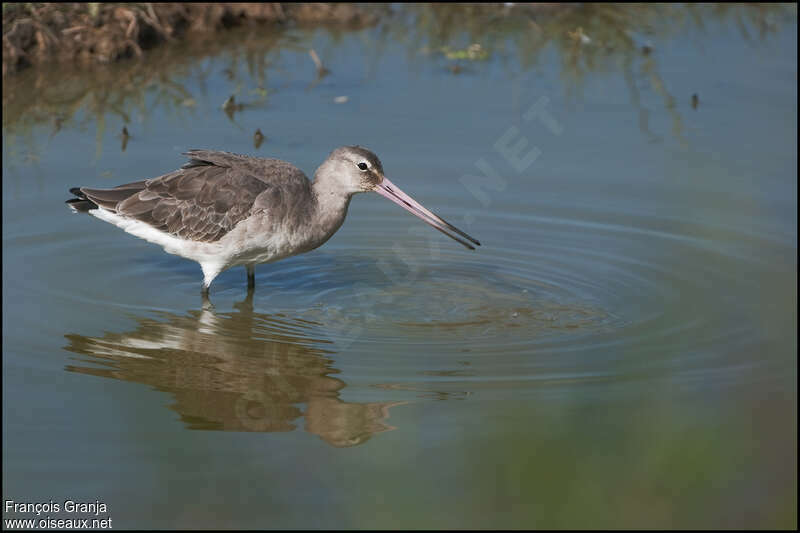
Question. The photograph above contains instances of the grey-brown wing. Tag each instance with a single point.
(271, 171)
(206, 198)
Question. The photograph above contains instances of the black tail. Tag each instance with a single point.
(81, 204)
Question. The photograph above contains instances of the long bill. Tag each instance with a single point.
(389, 190)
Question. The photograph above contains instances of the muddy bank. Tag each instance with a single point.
(34, 33)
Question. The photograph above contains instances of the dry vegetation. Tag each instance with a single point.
(102, 32)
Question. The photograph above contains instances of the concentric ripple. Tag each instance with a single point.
(560, 293)
(641, 298)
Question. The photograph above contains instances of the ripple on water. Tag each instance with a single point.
(444, 306)
(578, 285)
(645, 295)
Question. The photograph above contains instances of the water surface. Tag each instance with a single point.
(620, 352)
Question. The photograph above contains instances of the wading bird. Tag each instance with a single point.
(223, 210)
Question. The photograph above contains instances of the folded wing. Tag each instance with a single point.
(207, 197)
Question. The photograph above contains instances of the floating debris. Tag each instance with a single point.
(231, 107)
(321, 70)
(258, 138)
(695, 101)
(340, 100)
(474, 52)
(455, 68)
(230, 103)
(646, 50)
(579, 36)
(261, 92)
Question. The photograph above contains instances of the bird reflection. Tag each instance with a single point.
(236, 371)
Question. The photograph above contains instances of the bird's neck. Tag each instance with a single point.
(330, 204)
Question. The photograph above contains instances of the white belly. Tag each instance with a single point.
(245, 244)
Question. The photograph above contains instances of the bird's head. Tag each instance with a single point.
(353, 169)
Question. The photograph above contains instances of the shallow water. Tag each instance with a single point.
(620, 352)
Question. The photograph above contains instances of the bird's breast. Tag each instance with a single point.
(263, 241)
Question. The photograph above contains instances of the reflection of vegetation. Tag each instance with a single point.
(588, 38)
(124, 136)
(594, 458)
(155, 85)
(242, 371)
(32, 97)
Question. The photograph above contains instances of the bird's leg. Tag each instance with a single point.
(251, 277)
(207, 305)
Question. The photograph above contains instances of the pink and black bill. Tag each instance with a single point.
(389, 190)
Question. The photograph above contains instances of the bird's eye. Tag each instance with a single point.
(362, 166)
